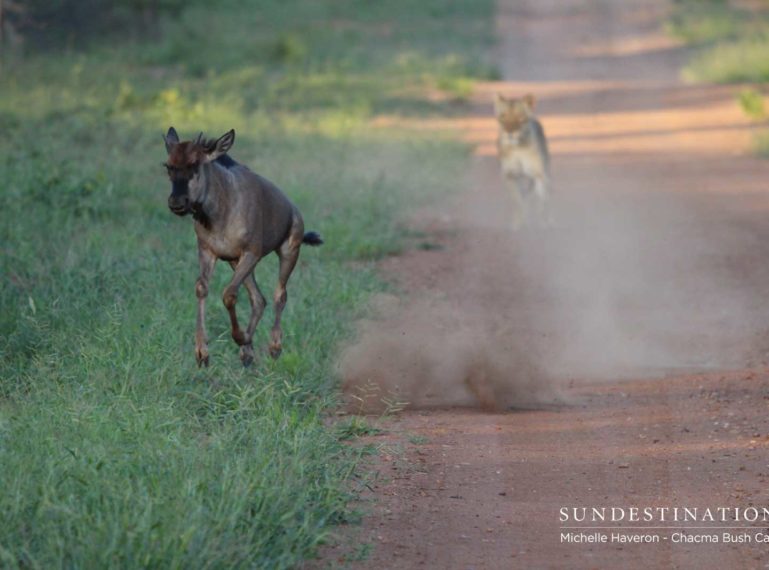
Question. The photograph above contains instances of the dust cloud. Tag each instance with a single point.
(433, 352)
(633, 281)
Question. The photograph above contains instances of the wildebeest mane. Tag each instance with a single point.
(209, 145)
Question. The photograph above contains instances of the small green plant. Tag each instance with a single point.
(752, 103)
(288, 48)
(356, 426)
(459, 88)
(361, 552)
(429, 246)
(418, 439)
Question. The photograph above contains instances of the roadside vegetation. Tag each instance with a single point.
(731, 41)
(115, 450)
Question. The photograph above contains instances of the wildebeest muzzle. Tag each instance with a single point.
(179, 201)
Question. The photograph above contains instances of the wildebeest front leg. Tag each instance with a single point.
(258, 302)
(288, 254)
(243, 269)
(207, 261)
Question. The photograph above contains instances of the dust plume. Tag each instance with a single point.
(456, 337)
(634, 281)
(433, 352)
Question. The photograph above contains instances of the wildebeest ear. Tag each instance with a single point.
(222, 145)
(171, 139)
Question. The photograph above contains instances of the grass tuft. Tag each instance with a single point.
(741, 61)
(752, 103)
(702, 22)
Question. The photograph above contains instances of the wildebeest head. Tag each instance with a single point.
(184, 167)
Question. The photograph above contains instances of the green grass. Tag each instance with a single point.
(356, 426)
(115, 450)
(741, 61)
(752, 104)
(702, 22)
(731, 41)
(418, 439)
(731, 46)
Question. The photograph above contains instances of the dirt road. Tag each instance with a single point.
(643, 313)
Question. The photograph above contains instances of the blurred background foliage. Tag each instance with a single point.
(729, 41)
(51, 23)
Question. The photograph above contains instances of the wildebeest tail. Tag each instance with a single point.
(312, 238)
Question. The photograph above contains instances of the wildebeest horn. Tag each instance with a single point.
(199, 138)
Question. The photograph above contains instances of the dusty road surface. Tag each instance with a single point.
(623, 350)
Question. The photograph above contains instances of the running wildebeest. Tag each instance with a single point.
(240, 218)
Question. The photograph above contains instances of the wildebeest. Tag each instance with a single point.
(240, 217)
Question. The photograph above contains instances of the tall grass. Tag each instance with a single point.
(741, 61)
(115, 450)
(703, 22)
(731, 41)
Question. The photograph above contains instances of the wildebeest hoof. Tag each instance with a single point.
(275, 350)
(202, 361)
(247, 355)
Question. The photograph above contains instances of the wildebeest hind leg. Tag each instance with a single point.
(288, 254)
